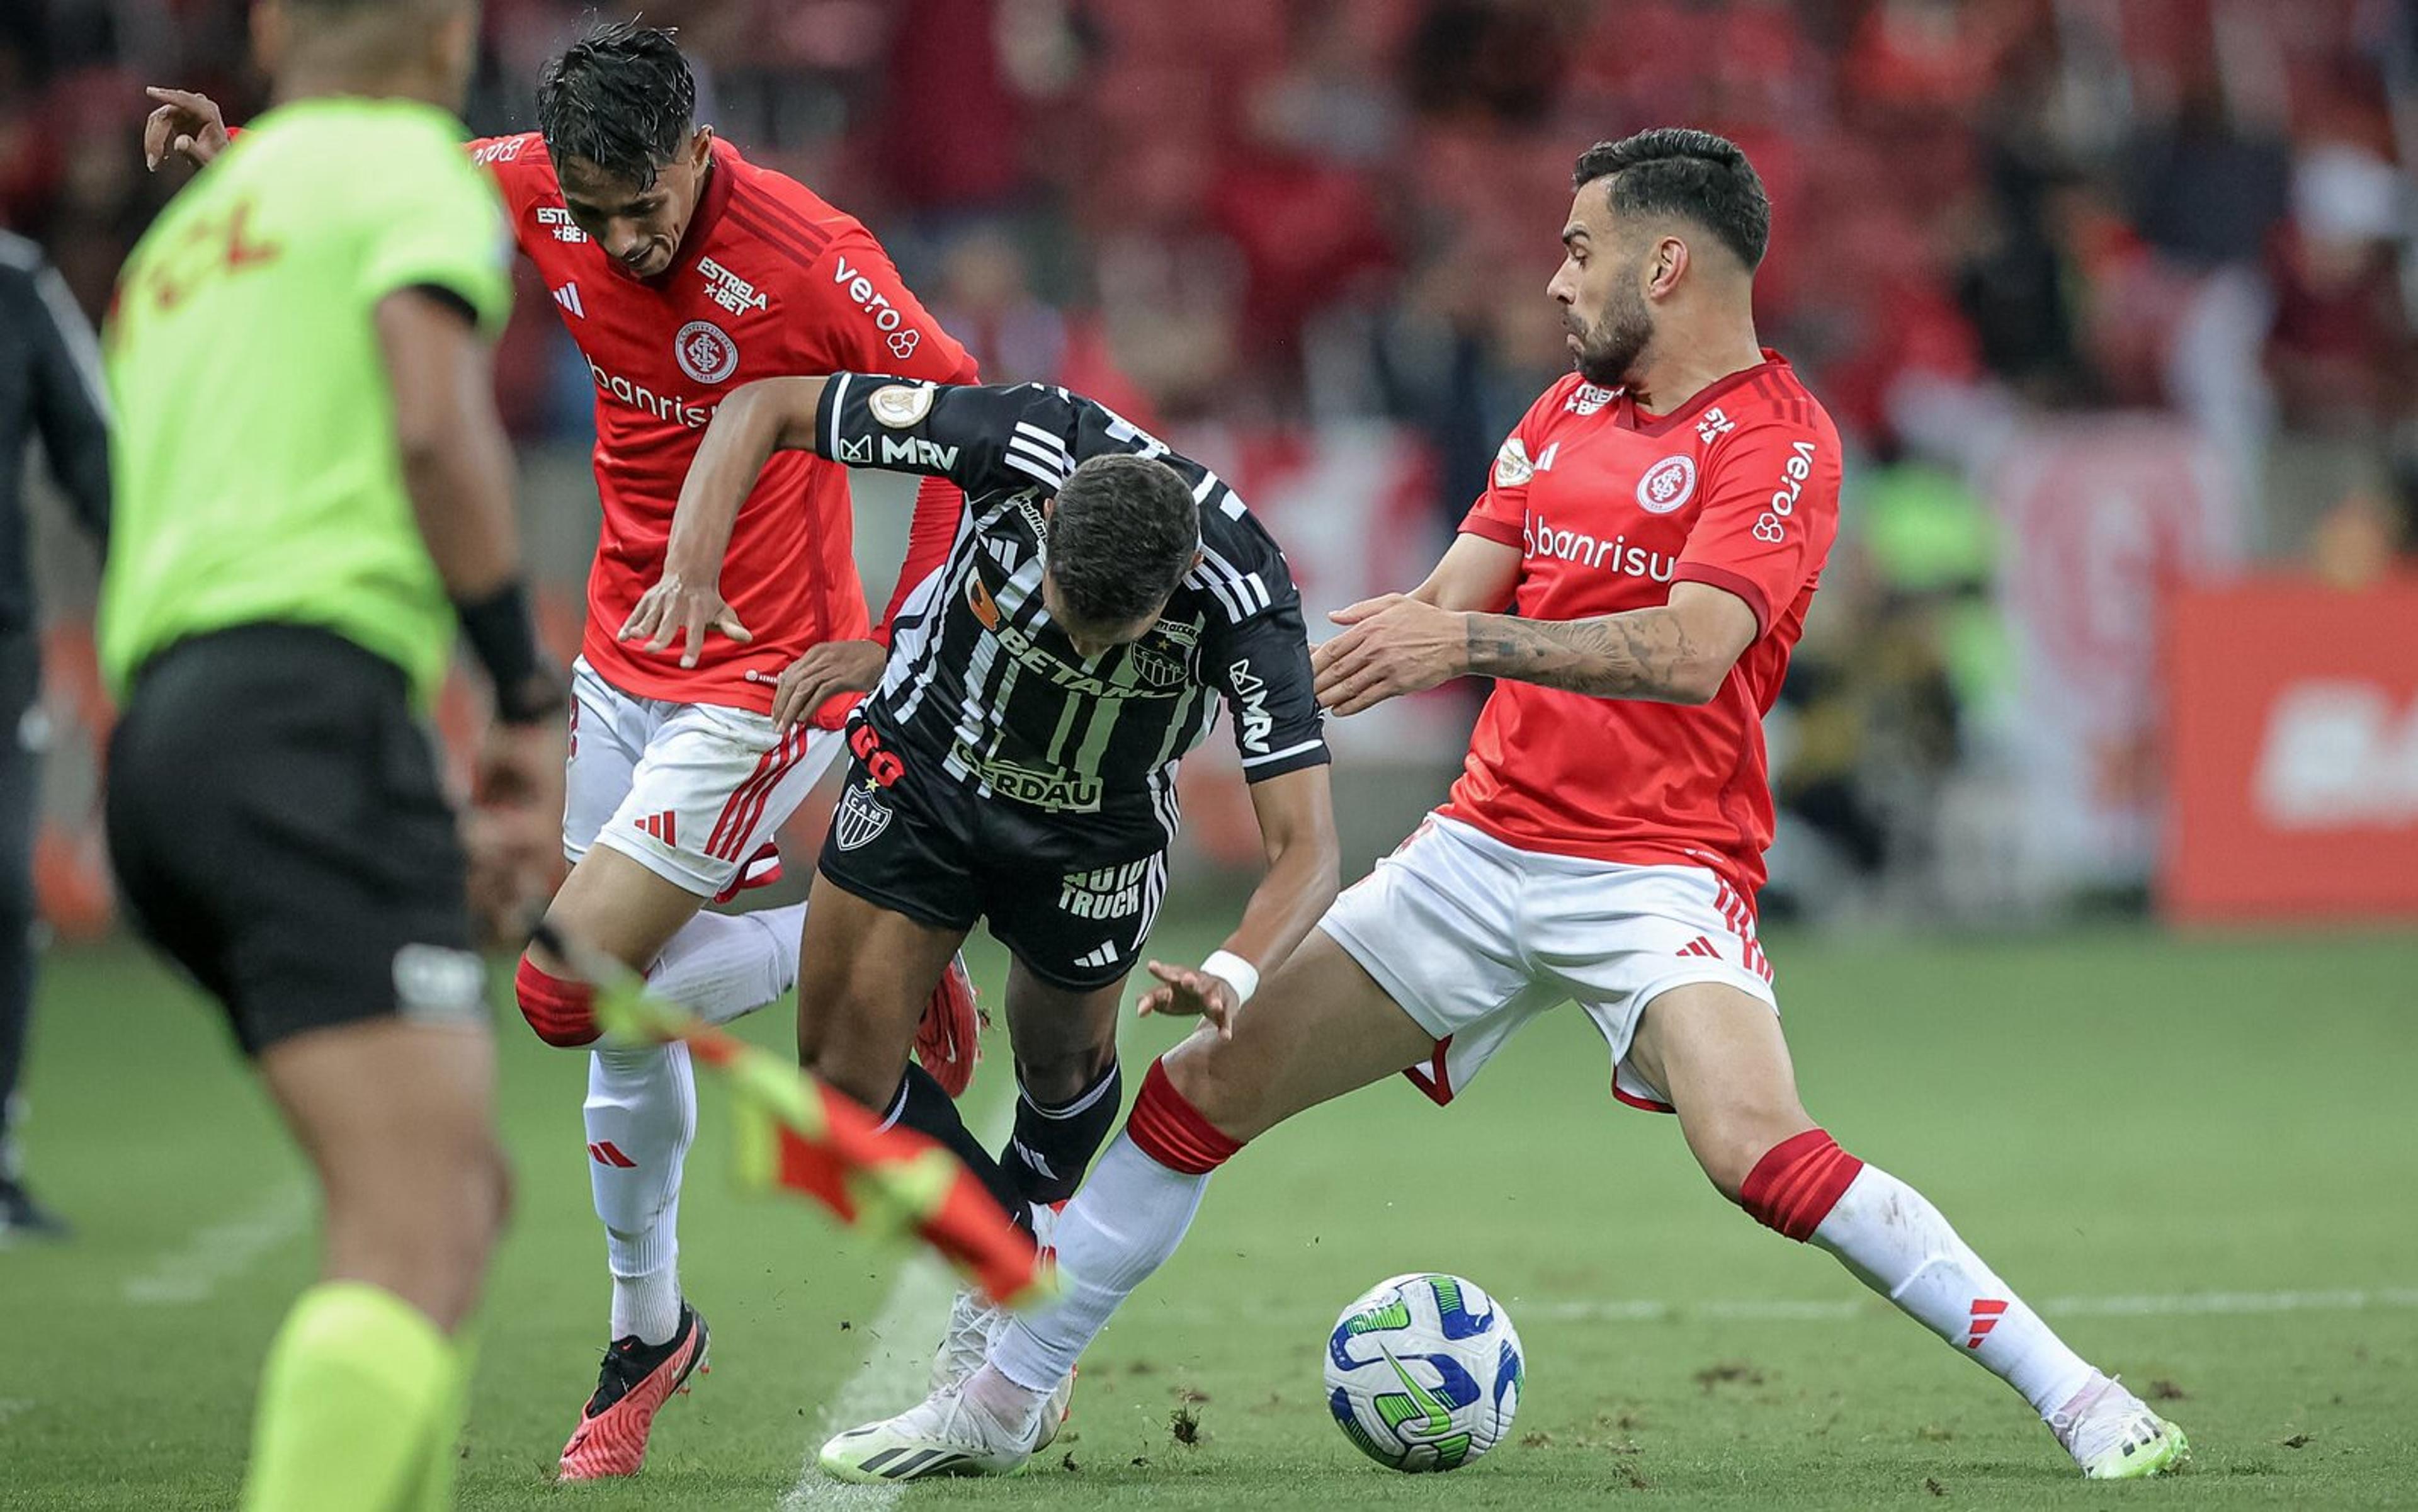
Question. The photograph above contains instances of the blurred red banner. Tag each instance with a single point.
(2293, 744)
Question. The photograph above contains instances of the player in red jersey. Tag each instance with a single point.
(683, 270)
(1655, 528)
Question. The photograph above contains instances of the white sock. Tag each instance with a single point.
(641, 1115)
(1896, 1243)
(1128, 1217)
(723, 965)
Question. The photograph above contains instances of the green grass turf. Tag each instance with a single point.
(2103, 1114)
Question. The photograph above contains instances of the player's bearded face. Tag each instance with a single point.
(1609, 344)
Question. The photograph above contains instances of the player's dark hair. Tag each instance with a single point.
(620, 97)
(1671, 170)
(1122, 533)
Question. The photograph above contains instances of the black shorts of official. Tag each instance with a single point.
(278, 828)
(1073, 915)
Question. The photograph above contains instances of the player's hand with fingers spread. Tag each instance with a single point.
(677, 607)
(1390, 646)
(834, 668)
(185, 124)
(1190, 992)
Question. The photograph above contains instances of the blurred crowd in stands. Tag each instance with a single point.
(1277, 212)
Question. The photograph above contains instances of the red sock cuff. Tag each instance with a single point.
(1797, 1183)
(561, 1012)
(1172, 1131)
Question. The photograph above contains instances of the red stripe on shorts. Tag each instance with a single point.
(722, 844)
(792, 746)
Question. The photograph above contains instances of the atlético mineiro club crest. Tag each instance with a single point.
(706, 352)
(863, 816)
(1667, 484)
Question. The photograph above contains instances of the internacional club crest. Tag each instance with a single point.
(1667, 484)
(862, 817)
(706, 352)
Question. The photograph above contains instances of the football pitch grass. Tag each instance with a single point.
(2198, 1157)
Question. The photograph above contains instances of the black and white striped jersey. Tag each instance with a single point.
(983, 686)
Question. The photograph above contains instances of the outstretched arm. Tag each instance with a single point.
(755, 421)
(1296, 814)
(1678, 653)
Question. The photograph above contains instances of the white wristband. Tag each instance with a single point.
(1239, 974)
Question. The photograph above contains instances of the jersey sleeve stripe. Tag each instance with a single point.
(779, 212)
(1248, 589)
(838, 409)
(1279, 756)
(769, 208)
(1043, 473)
(1055, 459)
(1044, 442)
(805, 254)
(1218, 587)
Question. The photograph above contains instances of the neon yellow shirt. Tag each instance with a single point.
(257, 473)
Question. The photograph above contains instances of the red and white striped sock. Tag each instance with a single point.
(1124, 1221)
(1895, 1242)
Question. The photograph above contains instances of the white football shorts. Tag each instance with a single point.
(1474, 938)
(689, 791)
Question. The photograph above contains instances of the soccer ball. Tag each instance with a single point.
(1424, 1372)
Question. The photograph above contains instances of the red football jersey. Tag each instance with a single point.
(770, 281)
(1610, 506)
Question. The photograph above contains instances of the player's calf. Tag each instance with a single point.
(1068, 1088)
(1057, 1133)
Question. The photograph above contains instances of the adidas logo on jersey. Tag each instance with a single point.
(568, 296)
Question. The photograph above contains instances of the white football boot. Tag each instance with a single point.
(2113, 1435)
(946, 1434)
(973, 1318)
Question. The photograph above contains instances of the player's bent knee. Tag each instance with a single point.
(1168, 1126)
(1794, 1185)
(561, 1012)
(870, 1082)
(1059, 1079)
(1191, 1107)
(1730, 1155)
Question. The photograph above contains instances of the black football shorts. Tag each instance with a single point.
(279, 826)
(1075, 914)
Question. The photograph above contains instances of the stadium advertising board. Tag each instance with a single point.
(2294, 752)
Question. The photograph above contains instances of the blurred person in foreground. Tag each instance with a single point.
(50, 389)
(293, 555)
(1657, 524)
(683, 270)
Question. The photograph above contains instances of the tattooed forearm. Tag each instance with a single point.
(1644, 653)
